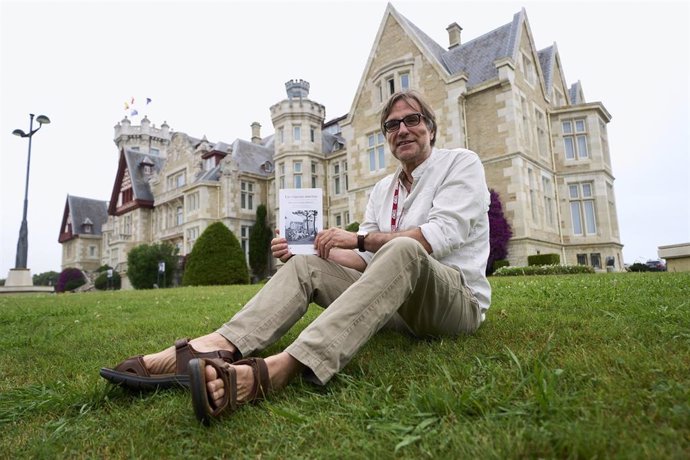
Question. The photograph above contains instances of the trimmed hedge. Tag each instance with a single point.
(216, 259)
(544, 270)
(544, 259)
(500, 263)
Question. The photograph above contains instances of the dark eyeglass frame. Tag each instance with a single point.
(413, 119)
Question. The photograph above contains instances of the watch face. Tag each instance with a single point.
(362, 232)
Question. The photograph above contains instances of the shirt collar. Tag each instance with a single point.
(419, 170)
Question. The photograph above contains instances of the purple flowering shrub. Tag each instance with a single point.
(69, 279)
(499, 233)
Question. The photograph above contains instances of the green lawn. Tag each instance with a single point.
(575, 366)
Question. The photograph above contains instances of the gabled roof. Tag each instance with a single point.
(476, 58)
(140, 186)
(547, 61)
(253, 158)
(81, 211)
(131, 161)
(330, 142)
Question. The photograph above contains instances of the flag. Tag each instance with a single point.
(126, 106)
(132, 100)
(148, 100)
(134, 112)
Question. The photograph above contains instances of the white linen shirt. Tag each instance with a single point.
(449, 202)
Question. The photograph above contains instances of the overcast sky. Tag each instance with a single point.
(213, 68)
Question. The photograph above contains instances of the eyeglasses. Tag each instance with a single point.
(410, 120)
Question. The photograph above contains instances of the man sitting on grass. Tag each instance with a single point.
(417, 265)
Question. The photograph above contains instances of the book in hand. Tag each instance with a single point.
(301, 218)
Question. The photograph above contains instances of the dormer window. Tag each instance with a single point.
(87, 226)
(146, 166)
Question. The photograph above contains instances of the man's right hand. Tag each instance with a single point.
(279, 248)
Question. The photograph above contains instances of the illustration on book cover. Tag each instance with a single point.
(301, 218)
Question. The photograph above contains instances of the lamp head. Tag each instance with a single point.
(19, 132)
(42, 119)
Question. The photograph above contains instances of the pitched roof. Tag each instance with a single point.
(253, 158)
(547, 62)
(476, 58)
(140, 185)
(85, 211)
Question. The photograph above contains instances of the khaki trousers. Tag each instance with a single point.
(403, 287)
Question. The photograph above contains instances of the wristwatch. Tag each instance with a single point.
(361, 234)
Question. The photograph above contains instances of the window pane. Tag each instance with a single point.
(580, 126)
(372, 160)
(569, 148)
(380, 138)
(567, 127)
(382, 157)
(582, 146)
(586, 190)
(589, 217)
(298, 166)
(336, 185)
(404, 81)
(577, 221)
(298, 181)
(596, 260)
(574, 193)
(297, 132)
(371, 140)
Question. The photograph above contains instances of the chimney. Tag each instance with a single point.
(256, 133)
(453, 35)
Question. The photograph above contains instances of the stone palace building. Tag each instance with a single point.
(544, 148)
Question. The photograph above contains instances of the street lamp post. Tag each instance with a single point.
(23, 242)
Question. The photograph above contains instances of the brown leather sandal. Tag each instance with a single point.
(132, 372)
(204, 409)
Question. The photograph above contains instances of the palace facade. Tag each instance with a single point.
(544, 148)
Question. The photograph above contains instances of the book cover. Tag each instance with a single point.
(301, 218)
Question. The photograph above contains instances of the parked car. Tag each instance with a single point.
(656, 265)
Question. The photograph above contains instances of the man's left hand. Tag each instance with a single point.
(332, 238)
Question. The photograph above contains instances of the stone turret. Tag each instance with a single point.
(297, 89)
(298, 120)
(145, 138)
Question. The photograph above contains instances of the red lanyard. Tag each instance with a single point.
(394, 213)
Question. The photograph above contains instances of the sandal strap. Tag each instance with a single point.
(229, 377)
(262, 383)
(184, 352)
(134, 365)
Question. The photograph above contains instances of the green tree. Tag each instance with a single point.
(103, 282)
(260, 244)
(46, 279)
(142, 264)
(217, 258)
